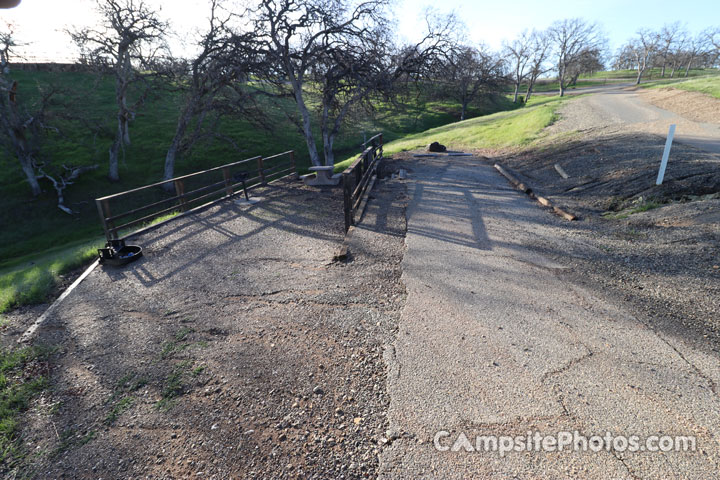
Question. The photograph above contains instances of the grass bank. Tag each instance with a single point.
(707, 85)
(21, 379)
(512, 129)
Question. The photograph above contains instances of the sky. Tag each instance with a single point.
(40, 23)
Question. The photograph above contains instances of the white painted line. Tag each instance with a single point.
(666, 155)
(27, 336)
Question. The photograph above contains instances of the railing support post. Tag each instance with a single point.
(228, 181)
(180, 192)
(104, 211)
(261, 170)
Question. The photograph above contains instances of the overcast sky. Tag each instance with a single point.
(41, 22)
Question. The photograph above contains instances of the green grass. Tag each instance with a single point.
(29, 281)
(707, 85)
(642, 207)
(652, 73)
(19, 384)
(517, 128)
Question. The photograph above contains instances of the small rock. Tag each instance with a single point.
(318, 391)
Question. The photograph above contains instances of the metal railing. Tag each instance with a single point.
(192, 192)
(359, 177)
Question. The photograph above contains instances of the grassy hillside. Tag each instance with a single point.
(510, 129)
(618, 76)
(652, 73)
(38, 241)
(707, 85)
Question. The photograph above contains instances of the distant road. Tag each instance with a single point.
(617, 106)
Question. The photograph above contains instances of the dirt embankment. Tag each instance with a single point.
(695, 106)
(657, 247)
(236, 348)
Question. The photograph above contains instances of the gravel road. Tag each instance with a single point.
(629, 110)
(236, 348)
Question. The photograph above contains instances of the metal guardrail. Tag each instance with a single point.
(359, 177)
(190, 191)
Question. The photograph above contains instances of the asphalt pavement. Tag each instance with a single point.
(496, 342)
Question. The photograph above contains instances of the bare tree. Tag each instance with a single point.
(23, 129)
(297, 36)
(638, 53)
(20, 129)
(8, 44)
(712, 42)
(224, 57)
(335, 53)
(519, 53)
(589, 62)
(572, 39)
(667, 41)
(474, 72)
(541, 48)
(126, 42)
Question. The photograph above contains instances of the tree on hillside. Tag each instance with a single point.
(639, 52)
(669, 40)
(694, 47)
(712, 39)
(334, 54)
(24, 128)
(472, 72)
(572, 40)
(126, 42)
(518, 54)
(540, 50)
(224, 58)
(589, 62)
(8, 44)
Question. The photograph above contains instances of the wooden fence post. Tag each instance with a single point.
(180, 191)
(104, 211)
(228, 181)
(261, 170)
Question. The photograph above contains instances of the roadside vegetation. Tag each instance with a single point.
(707, 85)
(514, 129)
(23, 376)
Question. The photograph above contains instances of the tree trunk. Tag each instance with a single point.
(30, 174)
(517, 88)
(662, 74)
(306, 126)
(113, 173)
(639, 76)
(173, 150)
(328, 140)
(463, 108)
(687, 68)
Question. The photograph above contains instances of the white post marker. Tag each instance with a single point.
(666, 155)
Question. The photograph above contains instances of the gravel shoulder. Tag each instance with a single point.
(657, 247)
(236, 347)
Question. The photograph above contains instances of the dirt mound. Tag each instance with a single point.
(693, 105)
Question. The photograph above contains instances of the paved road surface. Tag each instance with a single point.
(627, 109)
(494, 340)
